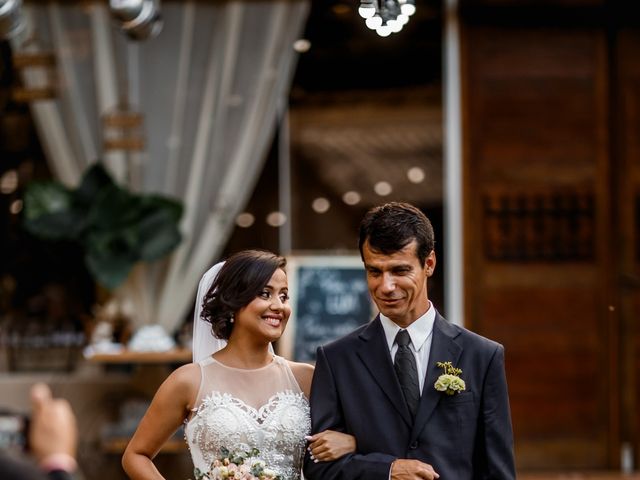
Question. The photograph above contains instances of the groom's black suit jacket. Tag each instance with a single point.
(464, 436)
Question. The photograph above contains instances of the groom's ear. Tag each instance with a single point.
(430, 263)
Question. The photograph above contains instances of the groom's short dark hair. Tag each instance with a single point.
(390, 227)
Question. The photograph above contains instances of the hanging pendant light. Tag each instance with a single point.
(386, 16)
(139, 19)
(12, 20)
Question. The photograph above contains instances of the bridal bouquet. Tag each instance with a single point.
(237, 466)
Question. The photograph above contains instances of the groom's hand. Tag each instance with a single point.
(405, 469)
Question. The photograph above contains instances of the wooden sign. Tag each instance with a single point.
(123, 131)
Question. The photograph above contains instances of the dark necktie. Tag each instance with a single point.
(407, 372)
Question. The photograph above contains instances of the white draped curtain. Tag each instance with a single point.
(208, 87)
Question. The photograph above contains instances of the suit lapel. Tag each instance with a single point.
(375, 355)
(443, 349)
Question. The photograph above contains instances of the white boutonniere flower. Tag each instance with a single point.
(449, 382)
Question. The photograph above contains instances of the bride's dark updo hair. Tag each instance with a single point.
(239, 282)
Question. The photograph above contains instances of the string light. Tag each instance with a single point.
(351, 198)
(16, 207)
(276, 219)
(245, 220)
(302, 45)
(321, 205)
(415, 175)
(383, 188)
(9, 182)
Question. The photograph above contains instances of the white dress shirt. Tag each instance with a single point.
(420, 333)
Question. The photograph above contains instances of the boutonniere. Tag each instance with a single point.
(449, 382)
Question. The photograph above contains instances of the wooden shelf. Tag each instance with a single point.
(118, 445)
(179, 355)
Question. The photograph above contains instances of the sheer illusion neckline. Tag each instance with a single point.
(258, 414)
(261, 408)
(238, 369)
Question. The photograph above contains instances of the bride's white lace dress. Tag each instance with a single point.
(240, 409)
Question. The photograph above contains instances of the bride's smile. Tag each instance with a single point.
(273, 320)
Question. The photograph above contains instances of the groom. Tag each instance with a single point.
(379, 382)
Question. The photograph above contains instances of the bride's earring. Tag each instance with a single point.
(231, 319)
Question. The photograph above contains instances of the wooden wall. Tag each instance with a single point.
(552, 163)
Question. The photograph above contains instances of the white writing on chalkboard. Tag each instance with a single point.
(341, 304)
(331, 301)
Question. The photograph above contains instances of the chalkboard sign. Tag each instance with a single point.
(329, 299)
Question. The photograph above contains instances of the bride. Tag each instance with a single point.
(237, 399)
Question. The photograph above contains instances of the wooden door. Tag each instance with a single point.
(627, 212)
(539, 259)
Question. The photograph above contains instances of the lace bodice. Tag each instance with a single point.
(241, 409)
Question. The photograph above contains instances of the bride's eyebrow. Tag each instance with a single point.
(271, 287)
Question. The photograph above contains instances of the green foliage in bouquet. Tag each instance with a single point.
(243, 465)
(115, 228)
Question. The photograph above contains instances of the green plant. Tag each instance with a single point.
(114, 227)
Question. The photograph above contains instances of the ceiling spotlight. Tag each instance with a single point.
(139, 19)
(386, 16)
(12, 20)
